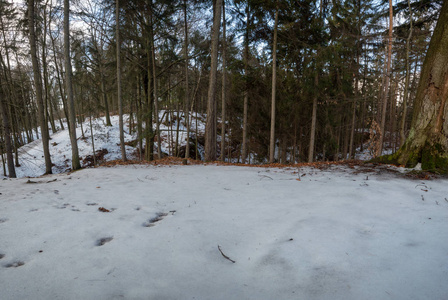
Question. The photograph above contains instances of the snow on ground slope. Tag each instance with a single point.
(152, 232)
(32, 161)
(31, 157)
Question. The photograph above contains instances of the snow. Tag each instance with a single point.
(32, 161)
(335, 234)
(153, 231)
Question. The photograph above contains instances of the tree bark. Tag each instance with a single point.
(7, 132)
(38, 87)
(210, 127)
(187, 98)
(274, 85)
(154, 78)
(246, 92)
(224, 85)
(313, 119)
(69, 88)
(406, 84)
(119, 96)
(387, 81)
(427, 142)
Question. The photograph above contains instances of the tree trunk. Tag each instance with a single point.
(224, 86)
(38, 86)
(69, 88)
(406, 84)
(119, 96)
(274, 85)
(387, 81)
(246, 92)
(154, 79)
(313, 119)
(210, 127)
(427, 142)
(7, 131)
(187, 99)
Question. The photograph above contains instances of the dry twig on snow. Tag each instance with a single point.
(225, 256)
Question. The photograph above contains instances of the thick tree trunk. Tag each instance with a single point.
(210, 127)
(38, 86)
(427, 142)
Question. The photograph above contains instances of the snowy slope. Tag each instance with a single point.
(335, 234)
(31, 157)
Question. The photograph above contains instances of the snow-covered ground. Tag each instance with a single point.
(152, 232)
(173, 231)
(32, 161)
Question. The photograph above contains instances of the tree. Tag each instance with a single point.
(388, 74)
(120, 99)
(69, 87)
(7, 132)
(187, 99)
(427, 141)
(224, 83)
(210, 127)
(274, 82)
(38, 87)
(246, 91)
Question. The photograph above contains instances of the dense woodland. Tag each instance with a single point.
(278, 80)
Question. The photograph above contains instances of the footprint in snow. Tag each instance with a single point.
(3, 220)
(15, 264)
(2, 255)
(65, 205)
(151, 222)
(104, 240)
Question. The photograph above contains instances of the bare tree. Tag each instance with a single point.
(69, 87)
(7, 132)
(210, 127)
(387, 79)
(120, 98)
(38, 87)
(274, 79)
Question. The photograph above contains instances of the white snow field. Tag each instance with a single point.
(152, 232)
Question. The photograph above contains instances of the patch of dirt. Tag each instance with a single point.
(88, 161)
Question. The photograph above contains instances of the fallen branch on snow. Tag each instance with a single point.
(225, 256)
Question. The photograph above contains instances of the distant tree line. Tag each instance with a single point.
(278, 81)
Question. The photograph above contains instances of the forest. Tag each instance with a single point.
(277, 80)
